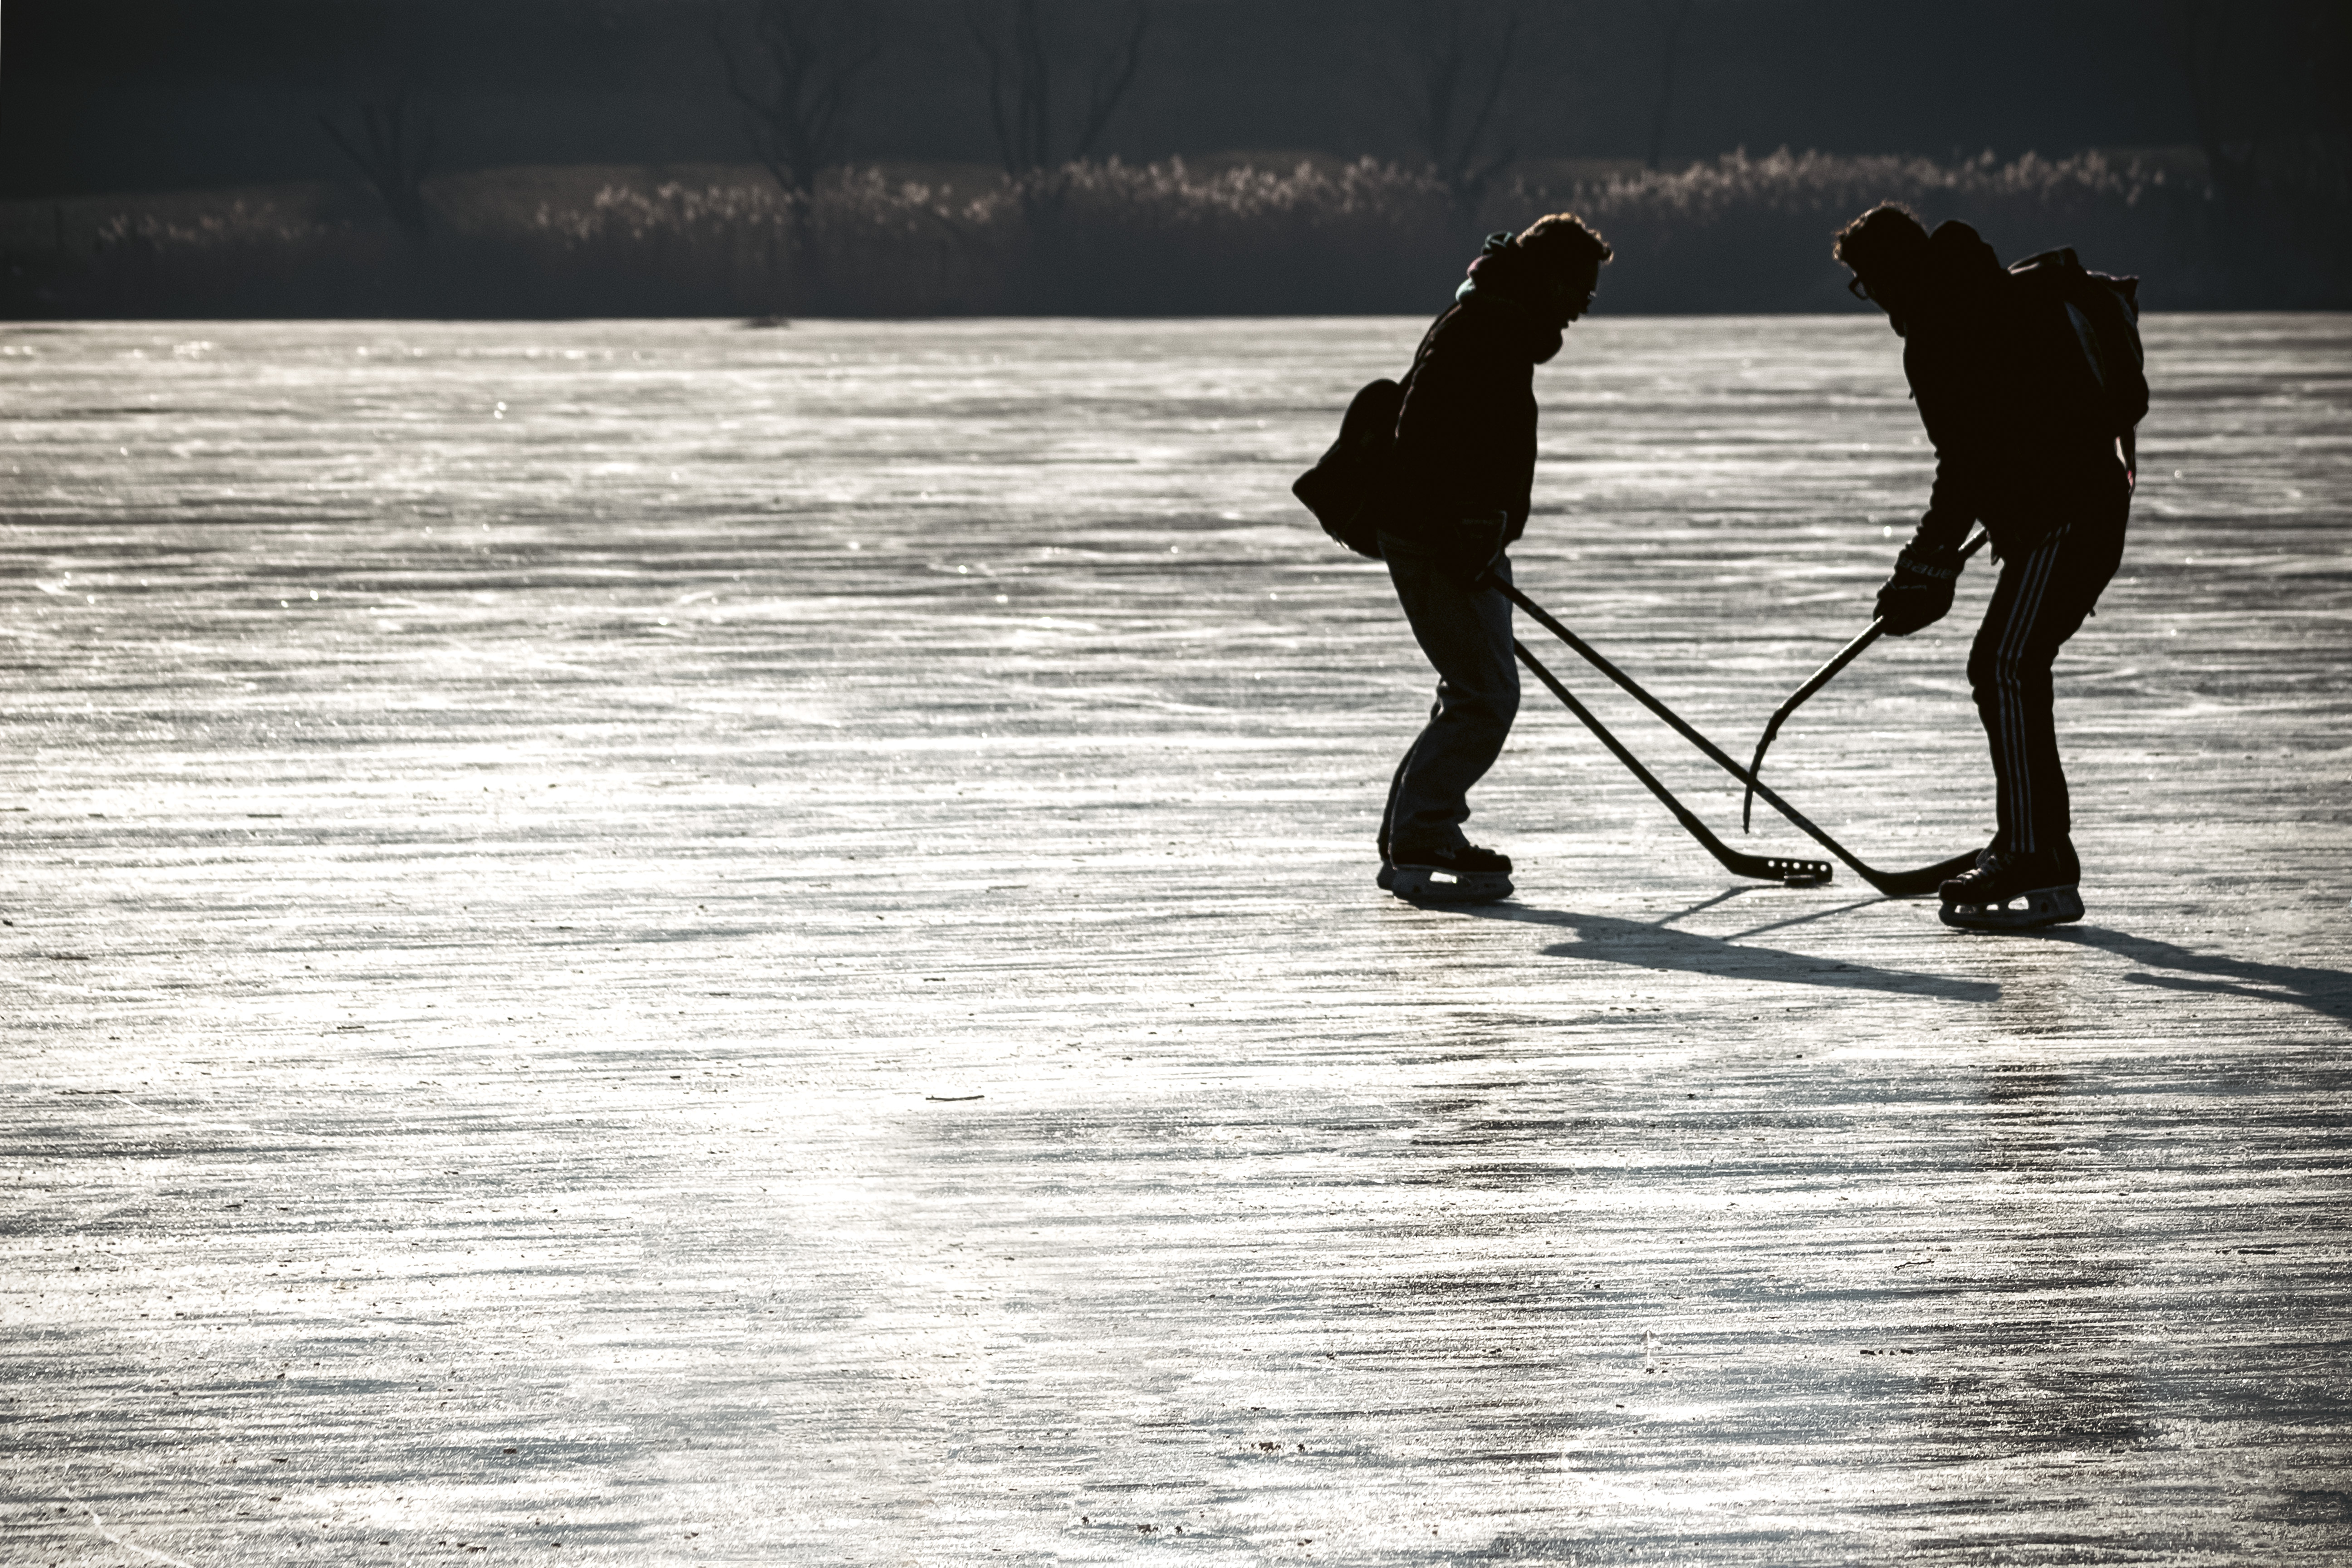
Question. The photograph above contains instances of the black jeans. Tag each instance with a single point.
(2042, 599)
(1466, 632)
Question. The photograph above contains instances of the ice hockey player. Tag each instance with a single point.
(2023, 445)
(1464, 461)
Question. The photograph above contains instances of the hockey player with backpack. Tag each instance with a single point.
(1433, 475)
(2029, 380)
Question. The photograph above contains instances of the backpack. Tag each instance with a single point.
(1343, 488)
(2105, 314)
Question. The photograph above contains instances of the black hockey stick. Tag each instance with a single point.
(1763, 868)
(1820, 678)
(1894, 884)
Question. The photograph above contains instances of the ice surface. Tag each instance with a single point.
(523, 843)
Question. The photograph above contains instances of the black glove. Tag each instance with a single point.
(1473, 545)
(1920, 591)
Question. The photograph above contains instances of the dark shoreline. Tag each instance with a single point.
(1738, 236)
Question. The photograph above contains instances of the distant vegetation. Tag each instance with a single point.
(1314, 237)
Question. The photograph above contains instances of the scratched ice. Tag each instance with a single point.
(655, 943)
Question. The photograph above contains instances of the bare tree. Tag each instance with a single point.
(393, 147)
(1458, 58)
(1675, 12)
(1023, 51)
(795, 65)
(392, 153)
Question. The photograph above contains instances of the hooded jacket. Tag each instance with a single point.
(1466, 437)
(1993, 369)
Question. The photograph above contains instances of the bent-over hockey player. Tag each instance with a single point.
(2021, 444)
(1465, 459)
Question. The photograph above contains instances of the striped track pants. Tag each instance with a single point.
(2042, 599)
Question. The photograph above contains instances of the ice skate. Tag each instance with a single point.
(2013, 891)
(1464, 874)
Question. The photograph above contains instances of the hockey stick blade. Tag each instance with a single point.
(1894, 884)
(1819, 679)
(1919, 884)
(1763, 868)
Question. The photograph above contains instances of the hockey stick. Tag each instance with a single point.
(1763, 868)
(1820, 678)
(1894, 884)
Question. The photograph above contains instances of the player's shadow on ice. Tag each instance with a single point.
(2326, 992)
(1608, 939)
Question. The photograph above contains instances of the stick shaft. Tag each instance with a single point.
(1822, 676)
(1845, 655)
(1763, 868)
(1899, 885)
(1848, 654)
(1819, 679)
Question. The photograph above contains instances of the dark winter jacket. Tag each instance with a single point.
(1991, 367)
(1466, 436)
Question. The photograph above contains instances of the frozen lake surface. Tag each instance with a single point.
(665, 943)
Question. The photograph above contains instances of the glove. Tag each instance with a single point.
(1920, 591)
(1473, 545)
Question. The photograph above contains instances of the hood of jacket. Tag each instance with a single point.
(1505, 279)
(1963, 268)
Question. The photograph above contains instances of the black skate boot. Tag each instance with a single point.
(1466, 875)
(2009, 891)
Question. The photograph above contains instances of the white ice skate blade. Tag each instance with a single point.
(1419, 885)
(2041, 907)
